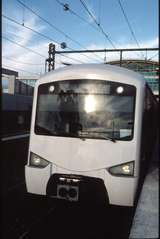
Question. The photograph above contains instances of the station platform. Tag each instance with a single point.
(146, 219)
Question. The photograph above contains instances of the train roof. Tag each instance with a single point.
(94, 71)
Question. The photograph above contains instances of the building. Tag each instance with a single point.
(14, 84)
(150, 70)
(25, 85)
(8, 80)
(17, 97)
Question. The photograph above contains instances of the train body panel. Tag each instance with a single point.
(86, 128)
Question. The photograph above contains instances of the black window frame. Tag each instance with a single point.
(98, 80)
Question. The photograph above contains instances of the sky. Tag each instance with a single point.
(56, 25)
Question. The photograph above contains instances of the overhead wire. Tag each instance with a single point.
(13, 34)
(25, 63)
(53, 26)
(8, 18)
(29, 49)
(98, 24)
(129, 25)
(31, 29)
(99, 12)
(18, 69)
(80, 17)
(76, 14)
(153, 56)
(23, 13)
(16, 43)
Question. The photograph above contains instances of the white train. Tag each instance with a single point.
(89, 134)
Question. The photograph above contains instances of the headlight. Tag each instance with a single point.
(37, 161)
(126, 169)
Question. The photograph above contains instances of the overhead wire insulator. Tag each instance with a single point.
(66, 7)
(63, 45)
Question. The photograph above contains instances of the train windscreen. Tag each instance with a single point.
(86, 108)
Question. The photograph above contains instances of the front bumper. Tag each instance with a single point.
(37, 179)
(86, 188)
(119, 190)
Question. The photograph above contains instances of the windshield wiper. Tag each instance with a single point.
(100, 135)
(43, 130)
(77, 136)
(109, 138)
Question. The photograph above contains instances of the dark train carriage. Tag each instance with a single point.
(16, 114)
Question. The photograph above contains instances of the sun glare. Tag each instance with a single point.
(90, 103)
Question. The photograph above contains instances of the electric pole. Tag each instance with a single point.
(50, 61)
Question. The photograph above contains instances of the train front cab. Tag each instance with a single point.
(70, 167)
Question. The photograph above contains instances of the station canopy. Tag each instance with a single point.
(150, 70)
